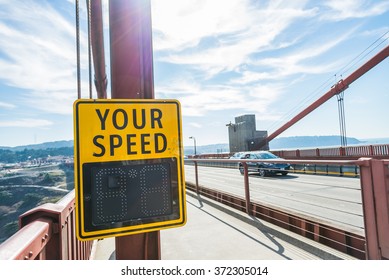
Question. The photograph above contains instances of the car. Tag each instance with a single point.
(237, 155)
(264, 168)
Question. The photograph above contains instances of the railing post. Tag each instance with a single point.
(247, 188)
(197, 177)
(380, 172)
(371, 150)
(372, 250)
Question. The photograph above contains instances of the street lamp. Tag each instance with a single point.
(194, 141)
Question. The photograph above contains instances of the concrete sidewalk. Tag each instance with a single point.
(217, 232)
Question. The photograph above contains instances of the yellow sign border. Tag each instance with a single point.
(79, 188)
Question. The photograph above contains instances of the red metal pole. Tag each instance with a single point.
(369, 215)
(131, 49)
(132, 78)
(247, 188)
(197, 176)
(380, 172)
(342, 85)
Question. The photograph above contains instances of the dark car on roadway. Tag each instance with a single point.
(264, 167)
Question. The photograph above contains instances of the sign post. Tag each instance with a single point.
(128, 166)
(132, 77)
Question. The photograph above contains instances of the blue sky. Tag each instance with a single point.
(220, 59)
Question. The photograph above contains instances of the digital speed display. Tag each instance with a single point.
(133, 193)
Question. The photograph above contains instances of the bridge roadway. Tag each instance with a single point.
(217, 232)
(332, 200)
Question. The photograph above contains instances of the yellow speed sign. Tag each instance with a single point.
(128, 166)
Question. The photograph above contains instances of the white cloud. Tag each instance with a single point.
(195, 124)
(7, 105)
(58, 102)
(198, 100)
(346, 9)
(226, 34)
(303, 60)
(183, 24)
(39, 53)
(26, 123)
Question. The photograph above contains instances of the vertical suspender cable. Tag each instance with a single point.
(78, 50)
(339, 98)
(342, 119)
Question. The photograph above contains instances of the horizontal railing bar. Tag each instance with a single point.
(28, 242)
(319, 162)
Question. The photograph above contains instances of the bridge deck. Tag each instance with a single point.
(216, 232)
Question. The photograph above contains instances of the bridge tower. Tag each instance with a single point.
(243, 135)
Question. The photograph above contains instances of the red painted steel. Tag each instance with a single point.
(339, 87)
(247, 188)
(131, 49)
(371, 235)
(132, 77)
(29, 243)
(197, 177)
(378, 197)
(308, 153)
(47, 232)
(379, 151)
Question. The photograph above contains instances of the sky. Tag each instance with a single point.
(221, 59)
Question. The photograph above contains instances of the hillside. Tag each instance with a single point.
(24, 189)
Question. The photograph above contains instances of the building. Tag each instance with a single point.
(243, 135)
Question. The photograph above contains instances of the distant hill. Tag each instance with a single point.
(373, 141)
(42, 146)
(207, 149)
(297, 142)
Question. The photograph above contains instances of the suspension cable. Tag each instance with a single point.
(382, 39)
(342, 119)
(364, 53)
(78, 50)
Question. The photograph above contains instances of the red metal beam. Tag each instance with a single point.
(131, 49)
(132, 77)
(339, 87)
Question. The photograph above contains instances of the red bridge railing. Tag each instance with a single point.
(379, 151)
(374, 180)
(47, 232)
